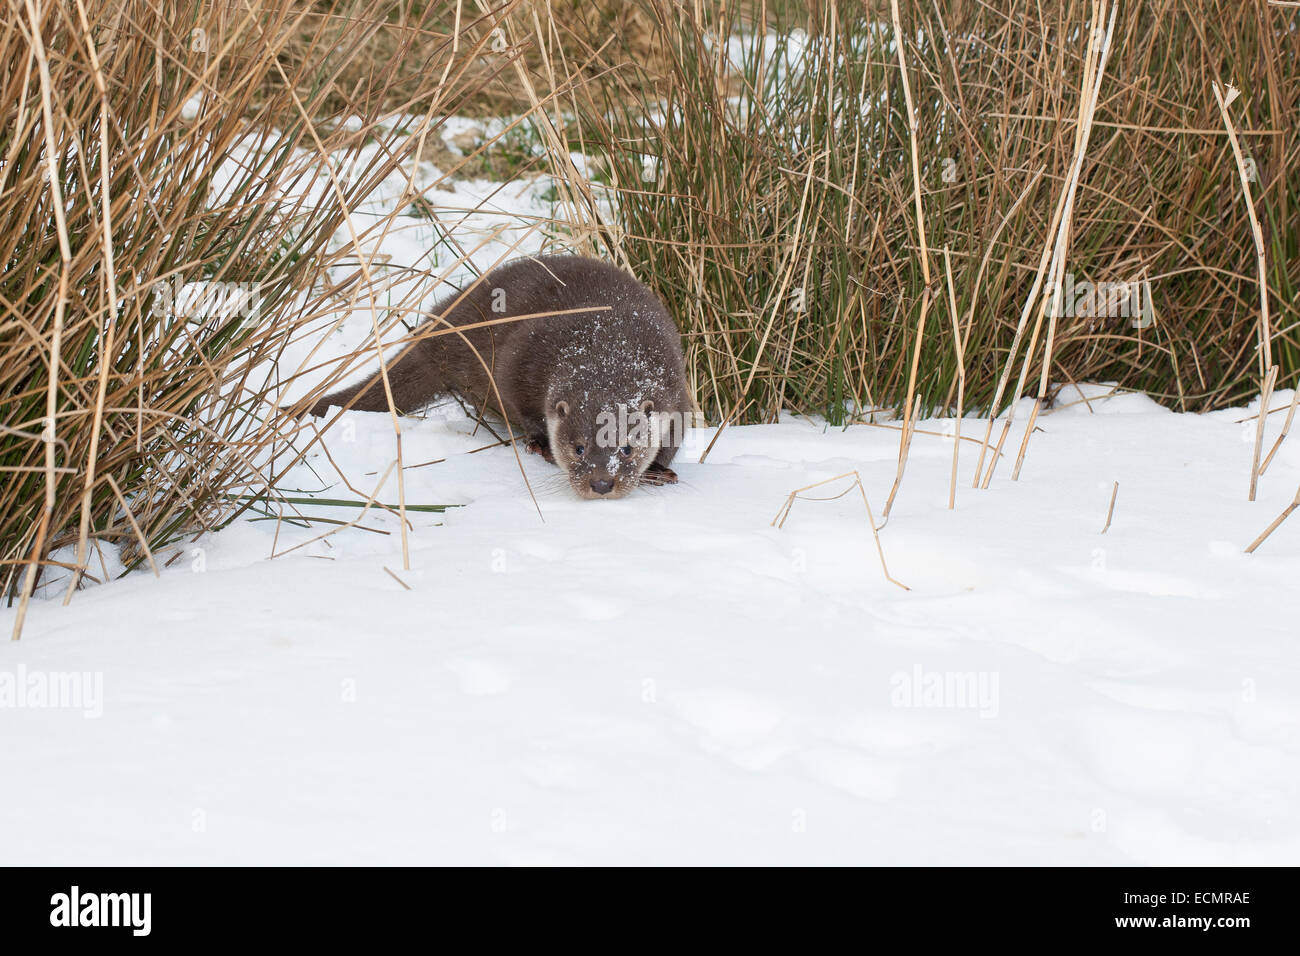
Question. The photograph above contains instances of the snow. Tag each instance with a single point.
(668, 678)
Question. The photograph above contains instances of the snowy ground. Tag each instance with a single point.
(668, 678)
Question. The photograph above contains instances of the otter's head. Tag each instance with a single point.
(603, 447)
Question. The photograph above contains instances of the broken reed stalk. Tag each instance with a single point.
(1110, 511)
(909, 420)
(396, 578)
(1265, 394)
(912, 412)
(1273, 526)
(960, 347)
(797, 494)
(1094, 72)
(1286, 427)
(1267, 370)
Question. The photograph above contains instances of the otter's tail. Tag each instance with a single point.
(414, 378)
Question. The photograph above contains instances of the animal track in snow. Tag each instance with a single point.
(745, 728)
(863, 776)
(480, 678)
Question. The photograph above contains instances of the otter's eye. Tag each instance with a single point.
(626, 451)
(579, 450)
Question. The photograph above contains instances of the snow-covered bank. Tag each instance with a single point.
(667, 678)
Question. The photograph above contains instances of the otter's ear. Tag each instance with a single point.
(647, 406)
(562, 409)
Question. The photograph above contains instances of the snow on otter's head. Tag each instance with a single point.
(603, 447)
(602, 419)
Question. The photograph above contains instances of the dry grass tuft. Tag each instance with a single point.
(177, 190)
(774, 203)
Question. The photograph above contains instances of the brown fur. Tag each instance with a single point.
(562, 379)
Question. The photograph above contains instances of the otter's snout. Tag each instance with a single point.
(602, 486)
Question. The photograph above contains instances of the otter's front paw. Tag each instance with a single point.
(540, 446)
(657, 474)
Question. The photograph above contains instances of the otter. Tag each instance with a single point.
(599, 389)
